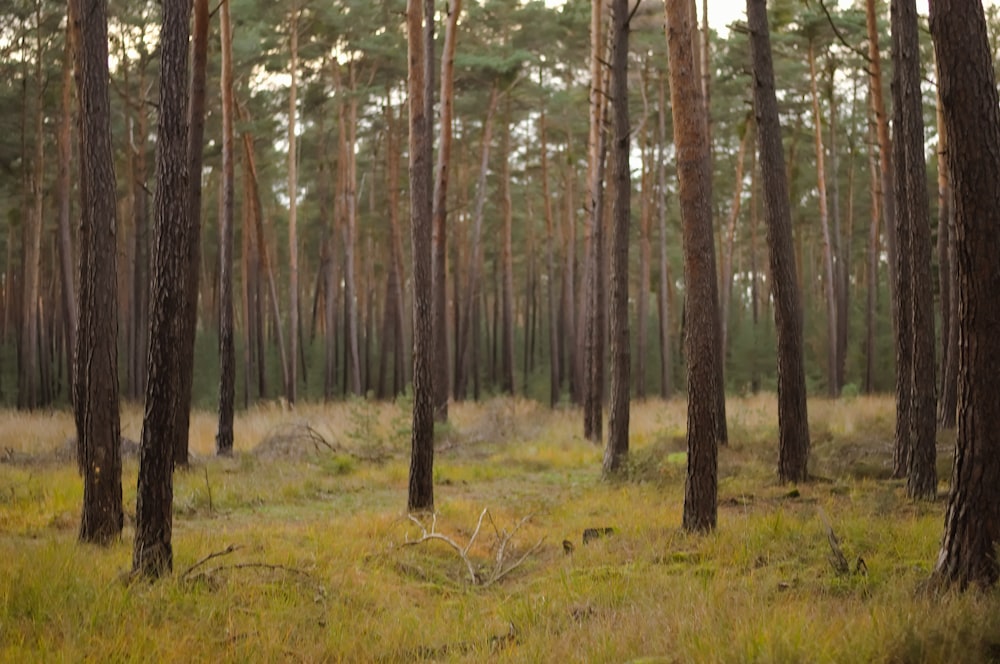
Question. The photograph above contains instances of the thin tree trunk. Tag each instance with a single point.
(65, 241)
(730, 239)
(227, 349)
(189, 315)
(616, 452)
(666, 353)
(947, 280)
(506, 261)
(871, 272)
(291, 379)
(793, 421)
(550, 269)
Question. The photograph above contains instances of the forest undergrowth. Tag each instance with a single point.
(298, 547)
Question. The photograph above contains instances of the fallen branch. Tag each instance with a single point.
(215, 554)
(838, 560)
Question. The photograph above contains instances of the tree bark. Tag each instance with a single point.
(153, 551)
(227, 349)
(871, 273)
(291, 384)
(616, 452)
(421, 484)
(947, 283)
(702, 335)
(666, 352)
(793, 421)
(96, 355)
(555, 348)
(972, 119)
(196, 140)
(64, 238)
(506, 261)
(915, 383)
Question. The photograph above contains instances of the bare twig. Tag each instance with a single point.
(215, 554)
(838, 560)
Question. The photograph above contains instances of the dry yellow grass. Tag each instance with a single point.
(320, 572)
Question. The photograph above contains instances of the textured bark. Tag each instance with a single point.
(441, 369)
(227, 349)
(616, 452)
(915, 382)
(793, 421)
(972, 118)
(196, 141)
(702, 334)
(153, 551)
(421, 484)
(96, 356)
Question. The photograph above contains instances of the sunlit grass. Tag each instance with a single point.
(319, 570)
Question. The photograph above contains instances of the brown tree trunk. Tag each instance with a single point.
(555, 349)
(467, 328)
(153, 551)
(506, 262)
(421, 486)
(730, 239)
(947, 283)
(666, 353)
(702, 335)
(227, 349)
(972, 118)
(793, 421)
(833, 388)
(96, 356)
(616, 452)
(196, 140)
(915, 383)
(64, 234)
(441, 370)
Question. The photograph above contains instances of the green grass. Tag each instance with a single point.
(319, 570)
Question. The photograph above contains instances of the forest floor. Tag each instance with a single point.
(298, 547)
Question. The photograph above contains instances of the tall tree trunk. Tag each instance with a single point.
(421, 486)
(196, 139)
(555, 349)
(466, 329)
(702, 335)
(569, 290)
(647, 201)
(915, 383)
(871, 272)
(153, 551)
(65, 241)
(616, 452)
(730, 239)
(833, 389)
(947, 280)
(139, 318)
(506, 261)
(227, 349)
(96, 356)
(666, 353)
(441, 372)
(972, 118)
(291, 384)
(793, 421)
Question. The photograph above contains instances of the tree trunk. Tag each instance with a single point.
(666, 353)
(972, 118)
(915, 383)
(833, 388)
(65, 241)
(96, 356)
(291, 384)
(506, 262)
(227, 349)
(421, 485)
(947, 283)
(555, 349)
(702, 337)
(874, 249)
(616, 452)
(196, 140)
(793, 421)
(730, 239)
(153, 552)
(441, 370)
